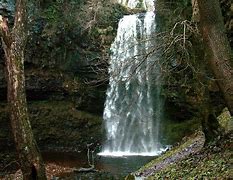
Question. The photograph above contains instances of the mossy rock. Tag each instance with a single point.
(226, 120)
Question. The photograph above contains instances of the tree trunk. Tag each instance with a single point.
(209, 122)
(29, 156)
(14, 45)
(218, 51)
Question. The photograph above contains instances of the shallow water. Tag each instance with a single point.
(122, 165)
(117, 166)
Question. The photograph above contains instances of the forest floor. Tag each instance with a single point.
(192, 160)
(59, 171)
(52, 171)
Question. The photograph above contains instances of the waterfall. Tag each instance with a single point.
(145, 4)
(133, 108)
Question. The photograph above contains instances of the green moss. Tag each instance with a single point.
(174, 131)
(130, 177)
(225, 120)
(57, 124)
(173, 151)
(63, 108)
(213, 162)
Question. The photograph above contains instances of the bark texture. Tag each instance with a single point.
(14, 45)
(218, 51)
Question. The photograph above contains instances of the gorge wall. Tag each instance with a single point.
(66, 72)
(67, 57)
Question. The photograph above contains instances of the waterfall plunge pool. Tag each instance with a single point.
(118, 167)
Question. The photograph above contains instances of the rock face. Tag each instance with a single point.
(56, 103)
(65, 111)
(57, 125)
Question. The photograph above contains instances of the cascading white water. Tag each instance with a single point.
(146, 4)
(133, 108)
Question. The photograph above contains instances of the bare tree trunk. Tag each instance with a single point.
(218, 51)
(14, 45)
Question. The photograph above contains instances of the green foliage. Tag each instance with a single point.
(174, 131)
(88, 16)
(60, 16)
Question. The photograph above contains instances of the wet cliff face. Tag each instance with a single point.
(65, 90)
